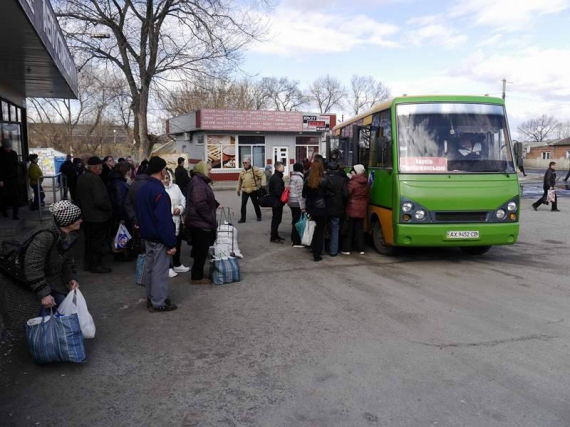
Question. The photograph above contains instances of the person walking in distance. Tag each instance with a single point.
(316, 190)
(358, 196)
(181, 176)
(296, 202)
(336, 204)
(276, 188)
(548, 184)
(251, 179)
(201, 220)
(93, 198)
(154, 213)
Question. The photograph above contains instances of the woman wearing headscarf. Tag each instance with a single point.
(316, 190)
(357, 206)
(49, 268)
(178, 203)
(201, 220)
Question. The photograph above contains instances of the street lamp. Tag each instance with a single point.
(114, 136)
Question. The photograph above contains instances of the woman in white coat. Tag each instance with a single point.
(178, 202)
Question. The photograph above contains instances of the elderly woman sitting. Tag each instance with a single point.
(49, 268)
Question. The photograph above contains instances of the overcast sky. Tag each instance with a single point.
(428, 47)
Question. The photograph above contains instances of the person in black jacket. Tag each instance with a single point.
(118, 190)
(108, 165)
(9, 187)
(276, 188)
(181, 176)
(336, 204)
(68, 170)
(549, 183)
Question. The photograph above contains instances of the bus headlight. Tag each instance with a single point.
(500, 214)
(512, 207)
(420, 215)
(407, 207)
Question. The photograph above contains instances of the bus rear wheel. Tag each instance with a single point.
(379, 241)
(475, 250)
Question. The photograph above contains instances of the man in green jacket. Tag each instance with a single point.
(94, 201)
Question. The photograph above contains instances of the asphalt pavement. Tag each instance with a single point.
(429, 338)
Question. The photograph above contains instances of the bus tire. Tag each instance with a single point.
(475, 250)
(379, 242)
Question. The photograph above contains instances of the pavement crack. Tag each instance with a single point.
(489, 343)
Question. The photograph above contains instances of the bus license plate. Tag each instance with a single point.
(462, 234)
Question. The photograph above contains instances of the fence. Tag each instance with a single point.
(56, 186)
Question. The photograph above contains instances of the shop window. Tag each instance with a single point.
(307, 148)
(252, 146)
(10, 128)
(5, 112)
(222, 151)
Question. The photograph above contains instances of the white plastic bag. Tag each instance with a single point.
(551, 196)
(227, 240)
(122, 238)
(75, 303)
(308, 233)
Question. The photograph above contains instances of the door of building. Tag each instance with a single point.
(281, 154)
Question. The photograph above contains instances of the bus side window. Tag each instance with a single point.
(383, 142)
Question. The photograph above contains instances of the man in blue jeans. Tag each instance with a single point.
(336, 204)
(154, 217)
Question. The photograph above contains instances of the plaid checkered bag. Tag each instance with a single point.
(224, 271)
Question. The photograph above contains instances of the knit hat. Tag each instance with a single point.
(94, 161)
(6, 143)
(155, 165)
(359, 169)
(333, 166)
(65, 213)
(201, 167)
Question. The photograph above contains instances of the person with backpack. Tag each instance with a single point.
(48, 268)
(316, 190)
(358, 196)
(251, 179)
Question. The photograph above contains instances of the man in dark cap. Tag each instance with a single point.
(154, 215)
(8, 179)
(94, 201)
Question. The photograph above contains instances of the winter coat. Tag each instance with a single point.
(134, 188)
(549, 179)
(35, 173)
(250, 180)
(118, 190)
(337, 203)
(296, 199)
(182, 178)
(49, 263)
(68, 170)
(359, 194)
(316, 198)
(93, 198)
(105, 173)
(177, 200)
(276, 187)
(201, 204)
(154, 214)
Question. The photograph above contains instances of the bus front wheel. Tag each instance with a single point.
(379, 241)
(475, 250)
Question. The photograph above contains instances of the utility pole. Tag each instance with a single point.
(505, 87)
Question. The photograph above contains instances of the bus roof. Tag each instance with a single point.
(419, 98)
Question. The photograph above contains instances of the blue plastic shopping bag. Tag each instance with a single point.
(301, 224)
(224, 271)
(56, 338)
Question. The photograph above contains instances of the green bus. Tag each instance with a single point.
(441, 171)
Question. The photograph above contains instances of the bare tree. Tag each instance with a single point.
(365, 92)
(563, 130)
(327, 92)
(154, 41)
(540, 128)
(285, 94)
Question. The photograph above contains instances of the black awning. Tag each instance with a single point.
(34, 57)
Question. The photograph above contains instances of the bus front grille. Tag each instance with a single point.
(461, 216)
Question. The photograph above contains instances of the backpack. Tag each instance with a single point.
(12, 255)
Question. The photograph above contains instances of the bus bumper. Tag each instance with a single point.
(445, 235)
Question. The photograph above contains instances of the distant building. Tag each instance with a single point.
(557, 151)
(224, 137)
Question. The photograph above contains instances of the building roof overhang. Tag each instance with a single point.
(34, 56)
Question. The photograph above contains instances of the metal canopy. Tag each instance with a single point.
(34, 59)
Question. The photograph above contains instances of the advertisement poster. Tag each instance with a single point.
(222, 151)
(316, 123)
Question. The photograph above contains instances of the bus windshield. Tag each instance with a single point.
(453, 138)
